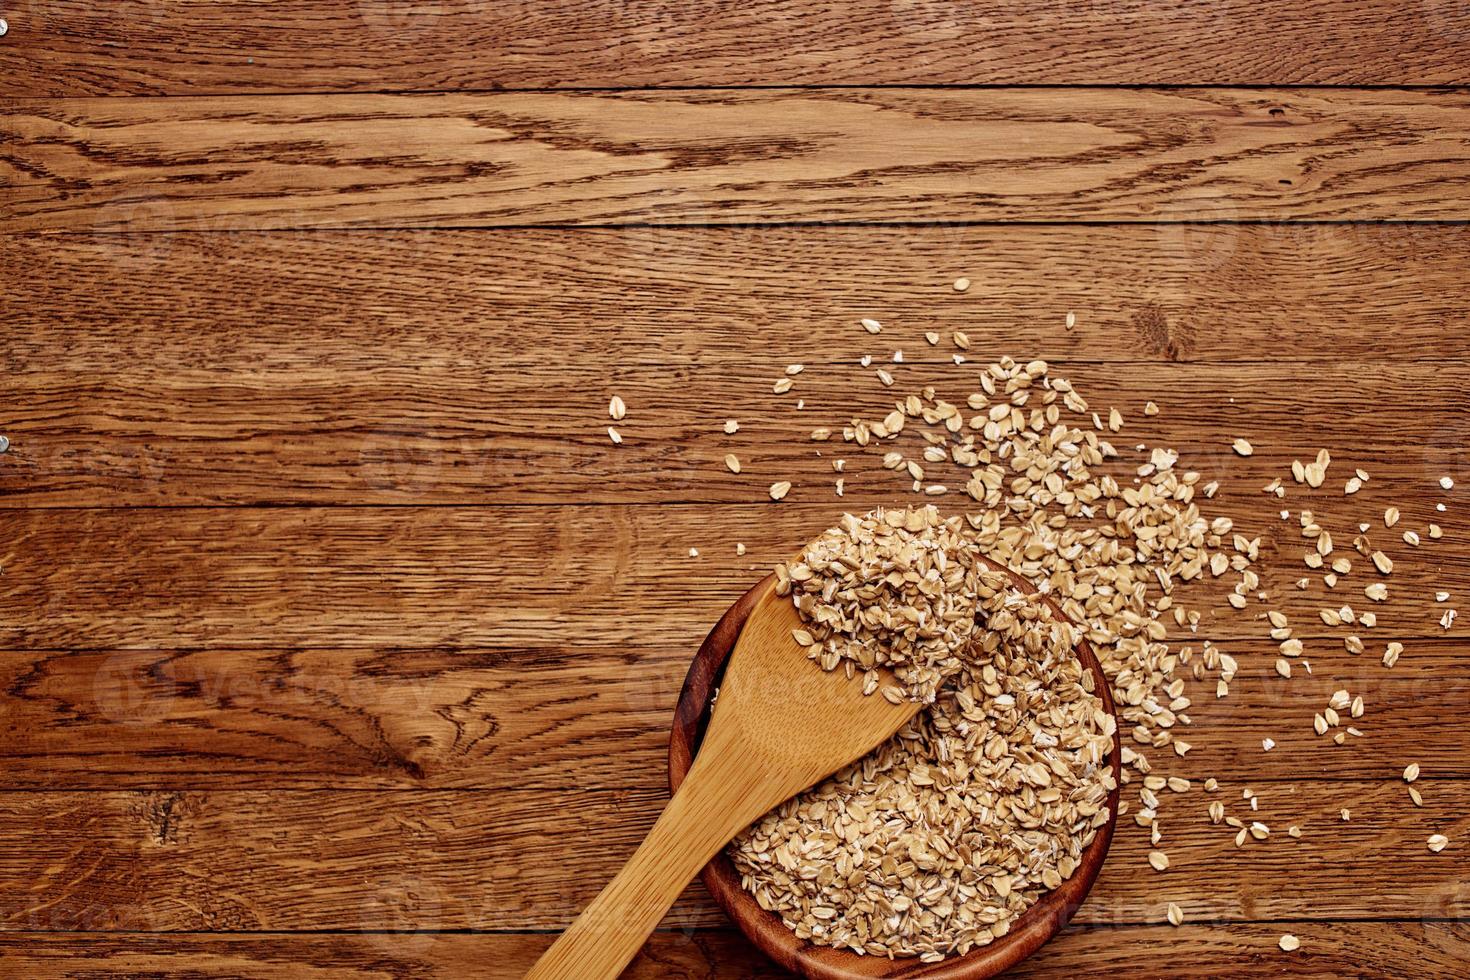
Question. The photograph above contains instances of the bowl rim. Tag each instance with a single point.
(766, 930)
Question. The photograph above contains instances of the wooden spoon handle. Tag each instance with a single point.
(710, 808)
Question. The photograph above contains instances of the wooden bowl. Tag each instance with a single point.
(1034, 927)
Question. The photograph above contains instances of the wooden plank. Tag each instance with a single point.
(355, 300)
(517, 577)
(1242, 951)
(300, 429)
(436, 860)
(733, 156)
(346, 376)
(69, 47)
(566, 718)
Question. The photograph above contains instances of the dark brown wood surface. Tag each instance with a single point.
(340, 374)
(732, 156)
(579, 577)
(1330, 951)
(147, 47)
(323, 859)
(509, 298)
(474, 717)
(337, 638)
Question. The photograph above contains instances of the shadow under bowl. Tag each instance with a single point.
(1027, 934)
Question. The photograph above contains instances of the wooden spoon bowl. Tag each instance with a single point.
(1038, 924)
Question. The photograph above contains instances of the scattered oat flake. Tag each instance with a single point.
(1411, 772)
(1242, 447)
(693, 552)
(961, 340)
(732, 462)
(871, 326)
(792, 370)
(616, 409)
(931, 337)
(615, 436)
(961, 284)
(1175, 915)
(739, 548)
(1447, 483)
(1289, 943)
(731, 427)
(1158, 860)
(1149, 408)
(782, 386)
(1071, 320)
(1438, 842)
(780, 489)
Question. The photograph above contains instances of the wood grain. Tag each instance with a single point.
(571, 717)
(726, 157)
(299, 429)
(331, 622)
(726, 296)
(1242, 951)
(137, 47)
(335, 370)
(509, 578)
(448, 860)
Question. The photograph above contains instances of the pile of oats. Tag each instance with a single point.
(934, 843)
(899, 590)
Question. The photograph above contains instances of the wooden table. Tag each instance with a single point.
(338, 640)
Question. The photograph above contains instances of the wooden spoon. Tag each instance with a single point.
(780, 724)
